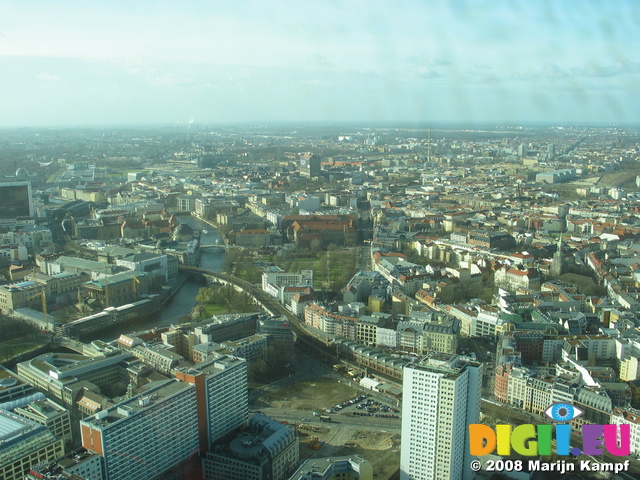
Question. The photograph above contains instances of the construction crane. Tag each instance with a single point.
(42, 294)
(104, 271)
(135, 283)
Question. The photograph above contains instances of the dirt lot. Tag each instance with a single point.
(382, 449)
(319, 394)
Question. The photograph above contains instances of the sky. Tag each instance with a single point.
(80, 63)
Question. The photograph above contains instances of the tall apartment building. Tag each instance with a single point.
(223, 402)
(17, 200)
(310, 165)
(145, 436)
(441, 397)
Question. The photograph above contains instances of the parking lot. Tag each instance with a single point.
(365, 406)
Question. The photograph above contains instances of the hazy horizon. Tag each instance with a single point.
(127, 64)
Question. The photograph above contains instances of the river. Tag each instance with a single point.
(184, 300)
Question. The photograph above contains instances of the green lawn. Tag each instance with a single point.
(332, 268)
(12, 348)
(215, 310)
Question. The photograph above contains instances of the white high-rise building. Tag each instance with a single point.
(441, 398)
(223, 402)
(145, 436)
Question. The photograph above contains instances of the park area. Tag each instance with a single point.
(333, 267)
(17, 337)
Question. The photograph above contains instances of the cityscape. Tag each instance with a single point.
(293, 303)
(334, 240)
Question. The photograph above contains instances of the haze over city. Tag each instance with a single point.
(71, 63)
(319, 240)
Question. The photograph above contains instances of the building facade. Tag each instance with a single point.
(269, 450)
(223, 403)
(24, 443)
(441, 398)
(146, 435)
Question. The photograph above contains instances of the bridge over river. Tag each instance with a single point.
(266, 301)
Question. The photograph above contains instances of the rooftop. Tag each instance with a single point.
(19, 437)
(153, 393)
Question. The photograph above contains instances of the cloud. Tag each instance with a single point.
(483, 77)
(174, 81)
(48, 77)
(549, 71)
(552, 71)
(619, 68)
(425, 72)
(321, 61)
(428, 61)
(593, 70)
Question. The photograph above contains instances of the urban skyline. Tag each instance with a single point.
(293, 240)
(372, 287)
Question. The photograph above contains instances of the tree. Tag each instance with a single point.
(257, 371)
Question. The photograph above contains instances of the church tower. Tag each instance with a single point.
(558, 266)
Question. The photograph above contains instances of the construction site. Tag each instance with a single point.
(324, 431)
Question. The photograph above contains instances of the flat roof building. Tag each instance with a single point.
(267, 450)
(13, 387)
(17, 199)
(334, 468)
(24, 443)
(48, 413)
(143, 437)
(223, 401)
(441, 398)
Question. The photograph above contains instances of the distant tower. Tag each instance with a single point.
(551, 151)
(557, 264)
(522, 150)
(310, 165)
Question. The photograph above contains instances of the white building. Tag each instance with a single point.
(353, 468)
(629, 416)
(387, 337)
(279, 278)
(155, 264)
(29, 236)
(145, 436)
(14, 253)
(441, 397)
(227, 397)
(222, 384)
